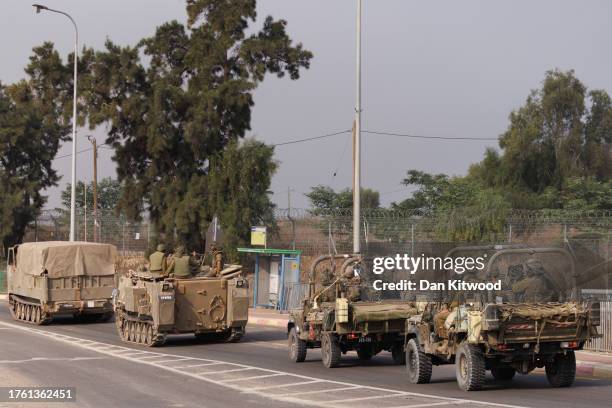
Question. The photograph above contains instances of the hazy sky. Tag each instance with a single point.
(440, 68)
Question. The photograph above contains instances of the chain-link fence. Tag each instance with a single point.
(54, 225)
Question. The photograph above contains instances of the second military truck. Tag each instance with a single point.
(58, 278)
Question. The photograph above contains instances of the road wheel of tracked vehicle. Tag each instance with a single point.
(470, 367)
(503, 372)
(364, 353)
(398, 354)
(330, 350)
(37, 315)
(139, 337)
(104, 317)
(418, 364)
(297, 347)
(561, 372)
(148, 335)
(19, 311)
(235, 334)
(132, 331)
(30, 313)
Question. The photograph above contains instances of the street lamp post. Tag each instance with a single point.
(38, 8)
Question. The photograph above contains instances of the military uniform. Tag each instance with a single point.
(181, 265)
(534, 286)
(158, 260)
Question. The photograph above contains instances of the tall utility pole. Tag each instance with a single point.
(357, 144)
(289, 190)
(39, 8)
(95, 185)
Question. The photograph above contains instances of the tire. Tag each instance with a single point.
(561, 372)
(297, 347)
(330, 350)
(470, 367)
(418, 364)
(398, 354)
(364, 353)
(503, 372)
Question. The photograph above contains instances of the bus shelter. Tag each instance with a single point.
(277, 274)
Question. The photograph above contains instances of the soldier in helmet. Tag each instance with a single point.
(158, 260)
(181, 264)
(534, 286)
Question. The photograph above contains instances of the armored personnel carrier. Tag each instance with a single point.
(47, 279)
(149, 306)
(337, 320)
(536, 320)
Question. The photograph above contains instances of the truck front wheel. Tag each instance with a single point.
(561, 372)
(470, 367)
(330, 351)
(297, 347)
(418, 364)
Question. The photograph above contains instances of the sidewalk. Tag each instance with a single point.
(3, 296)
(588, 363)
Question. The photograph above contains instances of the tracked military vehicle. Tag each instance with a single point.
(57, 278)
(531, 322)
(337, 320)
(149, 306)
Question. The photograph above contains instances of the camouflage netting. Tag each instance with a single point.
(538, 311)
(373, 312)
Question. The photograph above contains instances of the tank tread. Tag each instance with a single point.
(235, 335)
(135, 331)
(28, 312)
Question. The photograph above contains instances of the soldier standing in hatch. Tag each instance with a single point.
(158, 260)
(181, 264)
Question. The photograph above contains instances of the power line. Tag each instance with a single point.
(308, 139)
(373, 132)
(79, 152)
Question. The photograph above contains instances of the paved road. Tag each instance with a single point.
(255, 372)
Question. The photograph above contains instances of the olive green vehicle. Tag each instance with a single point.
(333, 320)
(57, 278)
(148, 306)
(502, 331)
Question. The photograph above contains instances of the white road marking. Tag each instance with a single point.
(256, 377)
(265, 391)
(199, 365)
(320, 391)
(35, 359)
(275, 386)
(227, 371)
(395, 395)
(432, 404)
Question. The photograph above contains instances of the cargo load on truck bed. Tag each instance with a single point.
(60, 278)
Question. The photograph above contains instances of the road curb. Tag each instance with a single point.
(595, 370)
(268, 321)
(3, 296)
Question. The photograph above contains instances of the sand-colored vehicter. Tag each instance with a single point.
(333, 319)
(503, 331)
(58, 278)
(148, 306)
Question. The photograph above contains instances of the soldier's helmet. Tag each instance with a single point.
(179, 250)
(161, 247)
(534, 266)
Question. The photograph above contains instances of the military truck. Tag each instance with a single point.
(502, 331)
(150, 306)
(47, 279)
(337, 322)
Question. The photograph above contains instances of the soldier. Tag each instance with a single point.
(181, 264)
(534, 286)
(158, 260)
(327, 278)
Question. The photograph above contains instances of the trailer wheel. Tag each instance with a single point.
(418, 364)
(503, 372)
(330, 350)
(561, 372)
(470, 367)
(398, 354)
(297, 347)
